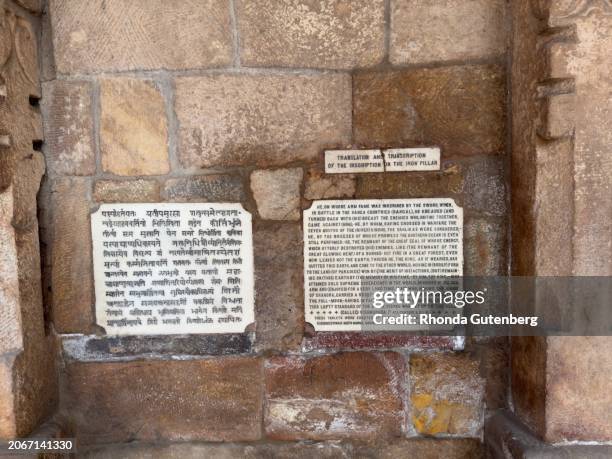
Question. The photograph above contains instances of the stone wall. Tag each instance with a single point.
(562, 204)
(28, 380)
(235, 101)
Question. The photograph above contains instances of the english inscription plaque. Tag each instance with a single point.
(173, 268)
(348, 240)
(391, 160)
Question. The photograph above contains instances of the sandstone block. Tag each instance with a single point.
(446, 392)
(208, 400)
(578, 399)
(25, 175)
(10, 309)
(355, 394)
(322, 186)
(447, 30)
(279, 286)
(485, 247)
(301, 33)
(275, 450)
(234, 120)
(451, 448)
(528, 383)
(139, 190)
(277, 193)
(485, 186)
(111, 35)
(459, 108)
(560, 115)
(71, 259)
(69, 146)
(206, 188)
(133, 131)
(446, 182)
(8, 427)
(494, 356)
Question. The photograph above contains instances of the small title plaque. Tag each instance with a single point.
(346, 241)
(173, 268)
(391, 160)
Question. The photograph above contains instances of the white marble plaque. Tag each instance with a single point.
(412, 159)
(347, 240)
(173, 268)
(391, 160)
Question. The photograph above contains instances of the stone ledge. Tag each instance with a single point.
(91, 348)
(506, 437)
(370, 341)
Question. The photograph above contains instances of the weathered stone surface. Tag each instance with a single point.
(334, 396)
(350, 341)
(455, 448)
(485, 247)
(71, 262)
(447, 393)
(110, 35)
(528, 69)
(578, 399)
(139, 190)
(92, 348)
(506, 437)
(279, 285)
(30, 366)
(67, 114)
(34, 376)
(277, 193)
(302, 33)
(10, 310)
(447, 182)
(325, 186)
(493, 352)
(25, 176)
(206, 188)
(133, 131)
(36, 389)
(209, 400)
(485, 186)
(561, 204)
(459, 108)
(528, 380)
(294, 450)
(8, 427)
(47, 62)
(590, 63)
(34, 6)
(232, 120)
(446, 30)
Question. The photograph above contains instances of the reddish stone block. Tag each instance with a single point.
(354, 394)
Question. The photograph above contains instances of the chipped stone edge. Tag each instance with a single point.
(75, 347)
